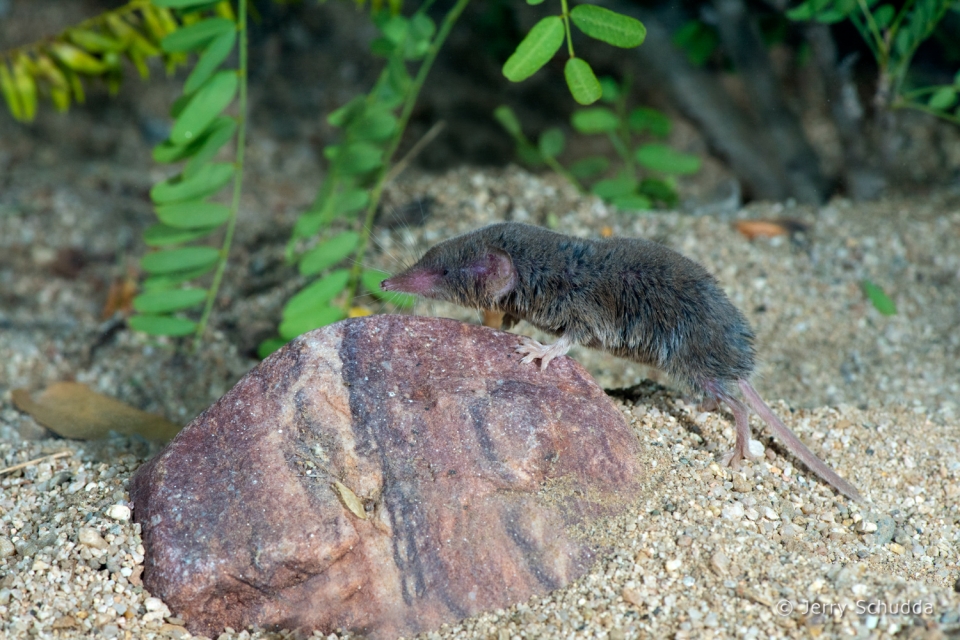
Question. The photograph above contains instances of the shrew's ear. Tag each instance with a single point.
(495, 271)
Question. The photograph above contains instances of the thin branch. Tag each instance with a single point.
(421, 144)
(30, 463)
(238, 179)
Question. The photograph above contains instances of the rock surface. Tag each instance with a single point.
(383, 475)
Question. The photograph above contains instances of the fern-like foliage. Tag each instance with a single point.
(646, 174)
(57, 68)
(372, 126)
(183, 202)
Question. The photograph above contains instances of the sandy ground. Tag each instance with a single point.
(766, 551)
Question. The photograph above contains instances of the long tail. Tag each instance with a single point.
(793, 443)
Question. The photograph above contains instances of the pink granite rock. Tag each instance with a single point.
(383, 475)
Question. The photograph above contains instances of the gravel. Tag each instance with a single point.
(763, 551)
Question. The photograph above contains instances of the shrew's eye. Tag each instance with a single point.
(446, 272)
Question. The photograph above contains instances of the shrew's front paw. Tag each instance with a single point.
(533, 350)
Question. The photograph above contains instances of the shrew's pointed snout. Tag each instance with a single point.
(415, 281)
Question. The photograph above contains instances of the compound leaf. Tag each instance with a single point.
(609, 26)
(535, 50)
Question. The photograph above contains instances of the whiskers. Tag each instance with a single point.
(394, 257)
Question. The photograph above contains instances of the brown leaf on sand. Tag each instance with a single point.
(73, 410)
(769, 228)
(120, 297)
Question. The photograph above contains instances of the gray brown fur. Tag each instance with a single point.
(630, 297)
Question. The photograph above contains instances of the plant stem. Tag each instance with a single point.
(883, 47)
(405, 112)
(238, 178)
(905, 104)
(566, 26)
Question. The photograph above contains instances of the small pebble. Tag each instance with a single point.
(7, 548)
(90, 537)
(720, 563)
(733, 511)
(119, 512)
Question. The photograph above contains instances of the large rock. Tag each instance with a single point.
(383, 475)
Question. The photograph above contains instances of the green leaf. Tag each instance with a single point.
(350, 201)
(614, 187)
(632, 202)
(801, 12)
(162, 325)
(94, 41)
(269, 346)
(644, 118)
(204, 107)
(595, 120)
(347, 113)
(659, 190)
(167, 152)
(171, 260)
(535, 50)
(195, 214)
(371, 279)
(883, 16)
(77, 59)
(178, 105)
(359, 157)
(609, 26)
(197, 35)
(534, 3)
(160, 235)
(328, 253)
(589, 167)
(529, 155)
(203, 150)
(881, 301)
(399, 79)
(296, 325)
(375, 125)
(395, 29)
(174, 279)
(156, 302)
(610, 88)
(551, 142)
(697, 40)
(583, 84)
(943, 98)
(317, 294)
(421, 31)
(508, 120)
(10, 93)
(903, 42)
(210, 178)
(210, 59)
(422, 27)
(660, 157)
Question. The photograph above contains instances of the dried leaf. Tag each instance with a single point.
(769, 228)
(73, 410)
(120, 296)
(350, 500)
